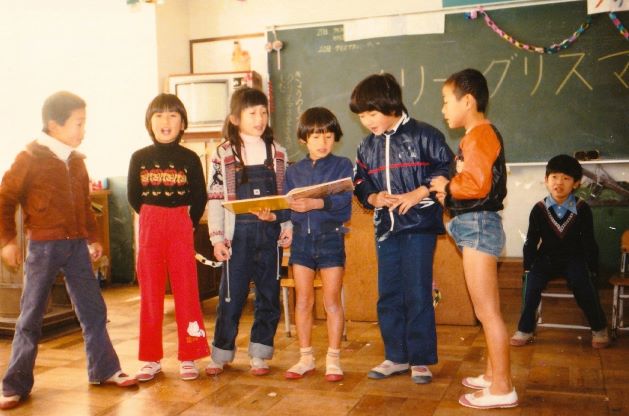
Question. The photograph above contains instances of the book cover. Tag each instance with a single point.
(278, 202)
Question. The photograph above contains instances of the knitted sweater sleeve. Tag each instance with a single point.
(590, 247)
(533, 237)
(216, 195)
(197, 190)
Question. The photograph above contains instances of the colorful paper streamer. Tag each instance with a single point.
(621, 28)
(554, 48)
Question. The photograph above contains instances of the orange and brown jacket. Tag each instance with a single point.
(479, 173)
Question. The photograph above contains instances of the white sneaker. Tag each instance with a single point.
(259, 367)
(386, 369)
(188, 371)
(148, 371)
(214, 368)
(520, 339)
(479, 382)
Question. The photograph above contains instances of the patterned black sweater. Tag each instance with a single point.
(167, 175)
(561, 239)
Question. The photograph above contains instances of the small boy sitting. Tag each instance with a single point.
(49, 180)
(568, 249)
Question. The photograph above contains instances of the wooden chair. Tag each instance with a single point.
(288, 282)
(620, 281)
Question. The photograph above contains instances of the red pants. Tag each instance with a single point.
(166, 248)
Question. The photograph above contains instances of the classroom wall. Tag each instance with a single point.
(173, 35)
(101, 50)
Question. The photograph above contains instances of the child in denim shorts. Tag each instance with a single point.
(474, 196)
(318, 238)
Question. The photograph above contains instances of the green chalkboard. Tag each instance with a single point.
(543, 104)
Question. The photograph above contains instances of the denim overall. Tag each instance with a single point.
(255, 257)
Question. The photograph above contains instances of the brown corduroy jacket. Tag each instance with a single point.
(54, 197)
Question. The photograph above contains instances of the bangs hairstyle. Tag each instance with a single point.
(242, 99)
(58, 107)
(565, 164)
(378, 92)
(163, 103)
(473, 82)
(318, 120)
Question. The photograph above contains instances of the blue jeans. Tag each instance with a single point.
(575, 271)
(405, 312)
(255, 257)
(44, 260)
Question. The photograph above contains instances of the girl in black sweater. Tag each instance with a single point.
(166, 187)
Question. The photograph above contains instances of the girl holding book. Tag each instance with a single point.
(318, 238)
(248, 164)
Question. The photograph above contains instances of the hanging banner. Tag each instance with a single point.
(606, 6)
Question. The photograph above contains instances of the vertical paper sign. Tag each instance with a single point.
(606, 6)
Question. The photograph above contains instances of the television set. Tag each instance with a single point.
(206, 96)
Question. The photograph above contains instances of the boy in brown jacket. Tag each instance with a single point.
(49, 180)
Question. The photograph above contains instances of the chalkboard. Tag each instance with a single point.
(542, 104)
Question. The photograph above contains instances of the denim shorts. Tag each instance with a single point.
(318, 251)
(480, 230)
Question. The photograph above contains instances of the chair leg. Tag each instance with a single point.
(621, 307)
(539, 312)
(615, 312)
(286, 311)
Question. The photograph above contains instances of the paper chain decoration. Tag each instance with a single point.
(554, 48)
(621, 28)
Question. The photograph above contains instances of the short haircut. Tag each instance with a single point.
(565, 164)
(162, 103)
(473, 82)
(378, 92)
(318, 120)
(59, 106)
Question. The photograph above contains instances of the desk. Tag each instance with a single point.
(361, 275)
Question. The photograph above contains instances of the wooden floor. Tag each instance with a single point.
(560, 374)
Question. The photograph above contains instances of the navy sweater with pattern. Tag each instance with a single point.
(561, 239)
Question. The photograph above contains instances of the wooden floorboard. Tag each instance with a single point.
(559, 374)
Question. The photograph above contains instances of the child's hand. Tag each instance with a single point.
(410, 199)
(96, 251)
(11, 254)
(438, 184)
(264, 214)
(441, 197)
(382, 199)
(286, 238)
(221, 252)
(305, 204)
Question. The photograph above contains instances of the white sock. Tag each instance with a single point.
(333, 357)
(306, 356)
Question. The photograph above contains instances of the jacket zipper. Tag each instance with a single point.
(387, 171)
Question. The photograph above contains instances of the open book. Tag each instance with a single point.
(277, 202)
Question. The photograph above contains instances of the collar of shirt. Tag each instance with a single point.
(60, 149)
(570, 204)
(403, 120)
(254, 150)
